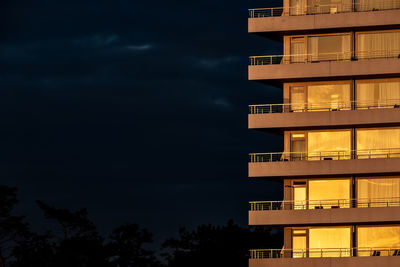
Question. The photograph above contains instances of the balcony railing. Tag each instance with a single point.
(325, 155)
(323, 253)
(324, 204)
(334, 8)
(323, 106)
(318, 57)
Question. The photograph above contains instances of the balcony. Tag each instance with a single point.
(327, 163)
(291, 20)
(308, 67)
(333, 257)
(298, 116)
(324, 212)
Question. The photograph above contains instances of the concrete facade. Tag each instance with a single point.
(365, 68)
(323, 119)
(325, 216)
(352, 20)
(294, 173)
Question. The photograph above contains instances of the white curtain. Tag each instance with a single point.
(378, 45)
(378, 143)
(378, 192)
(378, 95)
(369, 5)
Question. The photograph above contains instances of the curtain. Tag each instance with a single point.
(297, 50)
(378, 143)
(378, 95)
(378, 45)
(369, 5)
(378, 192)
(297, 7)
(297, 98)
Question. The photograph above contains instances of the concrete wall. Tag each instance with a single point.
(324, 168)
(328, 262)
(324, 217)
(325, 119)
(292, 24)
(330, 69)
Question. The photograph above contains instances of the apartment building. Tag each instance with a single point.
(340, 119)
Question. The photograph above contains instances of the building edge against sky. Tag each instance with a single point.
(340, 119)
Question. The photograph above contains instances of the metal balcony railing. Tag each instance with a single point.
(334, 8)
(323, 106)
(323, 252)
(324, 204)
(314, 58)
(325, 155)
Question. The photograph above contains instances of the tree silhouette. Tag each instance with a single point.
(216, 245)
(12, 228)
(127, 247)
(80, 244)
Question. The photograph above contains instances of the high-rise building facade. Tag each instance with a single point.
(340, 119)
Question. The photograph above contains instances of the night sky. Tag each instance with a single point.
(136, 110)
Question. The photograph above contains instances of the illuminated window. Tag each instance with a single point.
(327, 194)
(378, 143)
(329, 145)
(328, 97)
(329, 242)
(378, 94)
(329, 47)
(369, 5)
(374, 239)
(378, 45)
(299, 243)
(301, 7)
(378, 192)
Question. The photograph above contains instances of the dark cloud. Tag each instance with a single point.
(136, 110)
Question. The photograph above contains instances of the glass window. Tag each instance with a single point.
(378, 240)
(329, 97)
(297, 50)
(300, 197)
(329, 6)
(369, 5)
(378, 45)
(298, 146)
(330, 145)
(327, 194)
(297, 99)
(299, 243)
(378, 192)
(330, 242)
(297, 7)
(378, 143)
(329, 47)
(378, 95)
